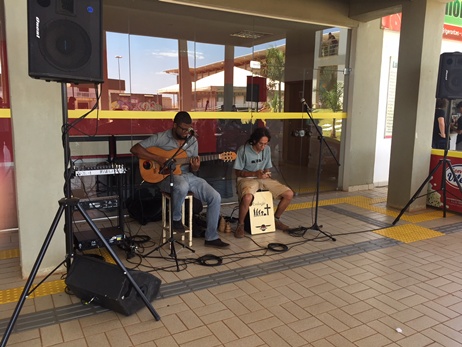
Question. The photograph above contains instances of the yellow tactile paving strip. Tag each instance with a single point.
(405, 233)
(46, 288)
(370, 204)
(9, 253)
(408, 233)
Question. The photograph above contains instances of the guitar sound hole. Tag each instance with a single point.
(147, 165)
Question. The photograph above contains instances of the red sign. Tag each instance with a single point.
(393, 22)
(452, 32)
(453, 177)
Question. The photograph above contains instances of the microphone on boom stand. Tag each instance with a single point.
(192, 133)
(308, 108)
(322, 142)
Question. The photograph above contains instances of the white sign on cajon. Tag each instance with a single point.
(261, 213)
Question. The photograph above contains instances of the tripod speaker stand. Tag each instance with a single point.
(444, 164)
(66, 206)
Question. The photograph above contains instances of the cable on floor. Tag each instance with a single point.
(210, 260)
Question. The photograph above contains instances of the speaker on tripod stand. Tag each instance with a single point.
(449, 84)
(65, 38)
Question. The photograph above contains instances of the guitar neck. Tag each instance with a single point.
(207, 157)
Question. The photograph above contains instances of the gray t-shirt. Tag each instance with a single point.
(249, 160)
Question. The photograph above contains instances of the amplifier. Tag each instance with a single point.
(87, 239)
(111, 169)
(100, 202)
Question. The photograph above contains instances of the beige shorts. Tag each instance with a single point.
(252, 185)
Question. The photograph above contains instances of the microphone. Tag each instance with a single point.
(306, 105)
(192, 132)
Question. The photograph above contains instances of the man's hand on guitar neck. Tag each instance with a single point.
(195, 163)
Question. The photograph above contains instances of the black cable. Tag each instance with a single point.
(140, 239)
(278, 247)
(68, 126)
(210, 260)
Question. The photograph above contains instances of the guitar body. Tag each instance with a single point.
(150, 170)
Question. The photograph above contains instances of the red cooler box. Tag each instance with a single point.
(453, 194)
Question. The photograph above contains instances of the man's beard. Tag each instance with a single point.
(180, 137)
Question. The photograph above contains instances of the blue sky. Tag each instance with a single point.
(145, 58)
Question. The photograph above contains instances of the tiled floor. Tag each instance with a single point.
(376, 285)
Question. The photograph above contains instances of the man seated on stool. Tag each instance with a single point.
(252, 168)
(171, 140)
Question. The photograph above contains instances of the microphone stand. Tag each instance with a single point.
(168, 168)
(322, 141)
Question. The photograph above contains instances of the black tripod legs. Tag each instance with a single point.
(317, 227)
(35, 268)
(171, 240)
(67, 204)
(118, 262)
(416, 194)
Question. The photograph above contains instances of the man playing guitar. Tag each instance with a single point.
(186, 181)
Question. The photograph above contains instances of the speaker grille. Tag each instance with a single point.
(65, 45)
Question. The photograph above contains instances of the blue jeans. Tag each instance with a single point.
(188, 182)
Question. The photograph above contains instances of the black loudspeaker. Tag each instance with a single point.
(450, 76)
(252, 93)
(256, 89)
(104, 284)
(65, 40)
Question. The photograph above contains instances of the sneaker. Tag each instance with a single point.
(216, 243)
(239, 232)
(178, 226)
(280, 225)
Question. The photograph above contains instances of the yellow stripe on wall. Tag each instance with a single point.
(105, 114)
(205, 115)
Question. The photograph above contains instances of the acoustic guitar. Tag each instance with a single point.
(150, 169)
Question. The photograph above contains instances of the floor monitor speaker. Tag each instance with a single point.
(449, 84)
(65, 40)
(94, 280)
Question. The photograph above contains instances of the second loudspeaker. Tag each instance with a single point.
(449, 84)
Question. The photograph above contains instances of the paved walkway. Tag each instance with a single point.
(376, 285)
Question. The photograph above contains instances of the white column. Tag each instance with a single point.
(363, 83)
(36, 110)
(418, 62)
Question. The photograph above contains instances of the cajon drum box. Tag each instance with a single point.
(261, 213)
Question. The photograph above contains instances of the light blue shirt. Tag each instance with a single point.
(249, 160)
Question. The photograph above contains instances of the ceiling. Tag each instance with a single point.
(168, 20)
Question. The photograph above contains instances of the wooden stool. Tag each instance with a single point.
(166, 233)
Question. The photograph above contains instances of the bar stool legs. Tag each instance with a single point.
(166, 217)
